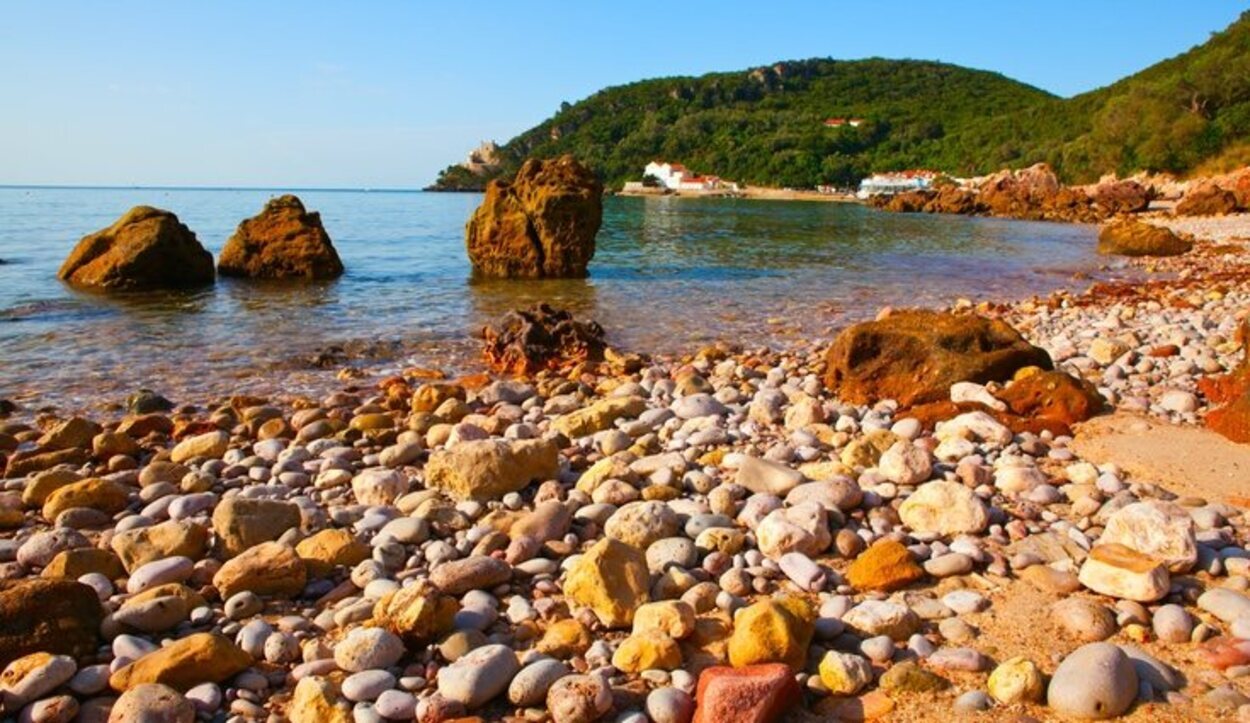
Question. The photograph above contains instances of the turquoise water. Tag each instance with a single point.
(669, 275)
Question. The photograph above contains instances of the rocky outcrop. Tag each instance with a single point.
(914, 357)
(147, 248)
(1129, 237)
(1116, 197)
(284, 241)
(542, 224)
(1207, 199)
(1034, 193)
(527, 341)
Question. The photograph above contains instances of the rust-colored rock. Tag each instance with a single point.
(527, 341)
(540, 225)
(147, 248)
(1126, 236)
(1053, 395)
(284, 241)
(1233, 390)
(887, 565)
(1115, 197)
(52, 616)
(1207, 199)
(1034, 193)
(753, 694)
(915, 356)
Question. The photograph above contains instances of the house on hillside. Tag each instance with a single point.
(676, 177)
(843, 122)
(879, 184)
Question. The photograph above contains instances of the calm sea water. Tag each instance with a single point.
(669, 275)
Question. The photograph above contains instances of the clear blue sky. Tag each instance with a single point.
(384, 94)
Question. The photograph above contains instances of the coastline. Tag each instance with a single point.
(749, 193)
(370, 447)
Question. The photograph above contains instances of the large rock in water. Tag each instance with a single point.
(52, 616)
(1130, 237)
(147, 248)
(915, 356)
(542, 224)
(283, 242)
(527, 341)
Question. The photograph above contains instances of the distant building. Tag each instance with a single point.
(840, 122)
(676, 177)
(483, 159)
(897, 182)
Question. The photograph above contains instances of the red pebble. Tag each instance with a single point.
(751, 694)
(1224, 653)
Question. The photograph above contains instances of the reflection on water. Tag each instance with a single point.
(668, 275)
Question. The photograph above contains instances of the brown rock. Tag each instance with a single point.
(73, 564)
(915, 356)
(146, 248)
(283, 242)
(887, 565)
(242, 522)
(542, 224)
(753, 694)
(1034, 193)
(1207, 199)
(175, 538)
(488, 469)
(416, 613)
(73, 432)
(1115, 197)
(51, 616)
(1054, 395)
(269, 568)
(327, 549)
(527, 341)
(97, 494)
(185, 663)
(23, 463)
(1130, 237)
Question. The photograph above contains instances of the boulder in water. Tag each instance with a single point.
(284, 241)
(527, 341)
(147, 248)
(542, 224)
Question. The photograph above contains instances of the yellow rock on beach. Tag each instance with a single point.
(772, 631)
(611, 579)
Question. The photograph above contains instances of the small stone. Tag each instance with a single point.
(669, 705)
(906, 464)
(641, 523)
(908, 677)
(530, 686)
(1015, 681)
(241, 523)
(489, 469)
(578, 699)
(944, 508)
(753, 694)
(802, 528)
(887, 565)
(611, 579)
(318, 700)
(1084, 619)
(763, 476)
(671, 617)
(777, 630)
(477, 572)
(479, 676)
(1095, 681)
(33, 676)
(367, 685)
(651, 650)
(187, 662)
(1122, 572)
(268, 569)
(1157, 529)
(368, 648)
(210, 445)
(152, 702)
(883, 617)
(1225, 604)
(844, 673)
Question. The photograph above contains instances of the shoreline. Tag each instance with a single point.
(749, 193)
(653, 456)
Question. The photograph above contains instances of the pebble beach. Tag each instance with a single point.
(704, 536)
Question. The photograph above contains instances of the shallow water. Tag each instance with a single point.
(668, 275)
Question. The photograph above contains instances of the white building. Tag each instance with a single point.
(676, 177)
(890, 183)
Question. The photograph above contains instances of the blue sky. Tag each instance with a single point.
(385, 93)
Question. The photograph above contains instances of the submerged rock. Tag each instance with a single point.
(541, 224)
(284, 241)
(527, 341)
(145, 249)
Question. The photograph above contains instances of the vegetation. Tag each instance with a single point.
(766, 126)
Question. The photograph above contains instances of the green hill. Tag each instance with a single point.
(765, 126)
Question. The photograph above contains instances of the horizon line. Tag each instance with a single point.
(142, 187)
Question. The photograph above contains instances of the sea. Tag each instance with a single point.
(669, 275)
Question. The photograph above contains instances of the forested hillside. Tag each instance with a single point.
(765, 126)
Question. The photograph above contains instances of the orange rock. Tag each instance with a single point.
(541, 224)
(887, 565)
(1053, 395)
(527, 341)
(146, 248)
(754, 694)
(914, 356)
(284, 241)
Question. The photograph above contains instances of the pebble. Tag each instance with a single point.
(1094, 681)
(478, 676)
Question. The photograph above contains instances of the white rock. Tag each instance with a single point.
(944, 508)
(1162, 530)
